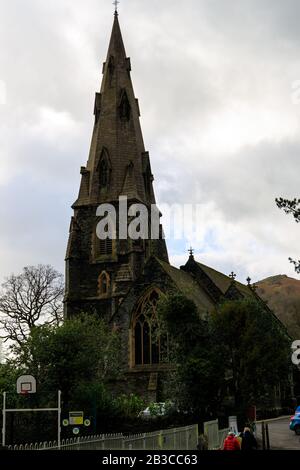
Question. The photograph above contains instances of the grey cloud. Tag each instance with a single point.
(192, 61)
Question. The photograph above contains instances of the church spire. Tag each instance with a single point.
(117, 135)
(116, 47)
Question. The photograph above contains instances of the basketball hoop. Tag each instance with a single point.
(26, 384)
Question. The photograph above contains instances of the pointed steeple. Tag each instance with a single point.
(117, 136)
(116, 55)
(116, 47)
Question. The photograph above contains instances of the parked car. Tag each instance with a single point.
(295, 422)
(158, 409)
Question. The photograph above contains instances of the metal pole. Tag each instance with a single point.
(4, 419)
(58, 419)
(267, 437)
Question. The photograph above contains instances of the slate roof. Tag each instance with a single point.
(224, 282)
(188, 286)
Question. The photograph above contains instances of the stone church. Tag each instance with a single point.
(122, 280)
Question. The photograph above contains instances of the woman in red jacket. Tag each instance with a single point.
(231, 442)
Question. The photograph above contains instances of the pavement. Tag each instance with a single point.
(281, 437)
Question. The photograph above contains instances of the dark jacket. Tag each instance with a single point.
(248, 441)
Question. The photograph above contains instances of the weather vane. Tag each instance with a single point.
(116, 3)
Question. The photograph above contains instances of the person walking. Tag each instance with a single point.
(231, 442)
(248, 440)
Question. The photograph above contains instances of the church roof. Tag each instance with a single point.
(224, 282)
(188, 286)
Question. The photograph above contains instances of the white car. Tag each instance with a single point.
(155, 409)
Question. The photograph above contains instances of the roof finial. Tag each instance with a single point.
(116, 3)
(191, 252)
(253, 287)
(232, 276)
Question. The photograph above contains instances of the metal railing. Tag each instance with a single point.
(223, 433)
(215, 436)
(185, 438)
(171, 439)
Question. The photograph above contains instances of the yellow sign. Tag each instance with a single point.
(76, 418)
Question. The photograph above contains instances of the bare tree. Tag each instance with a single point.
(33, 297)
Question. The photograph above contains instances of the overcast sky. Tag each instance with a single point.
(214, 81)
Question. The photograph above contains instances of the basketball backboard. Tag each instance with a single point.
(26, 384)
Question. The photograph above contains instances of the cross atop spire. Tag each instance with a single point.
(232, 276)
(116, 3)
(191, 252)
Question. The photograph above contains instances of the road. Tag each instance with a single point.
(281, 437)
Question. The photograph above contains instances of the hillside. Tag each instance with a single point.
(283, 296)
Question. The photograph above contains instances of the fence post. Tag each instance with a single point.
(58, 418)
(263, 435)
(4, 419)
(144, 441)
(160, 440)
(267, 437)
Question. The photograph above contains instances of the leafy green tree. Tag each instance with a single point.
(196, 383)
(255, 349)
(8, 377)
(82, 359)
(82, 351)
(129, 405)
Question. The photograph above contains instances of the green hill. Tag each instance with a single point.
(283, 296)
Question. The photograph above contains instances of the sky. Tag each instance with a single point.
(217, 87)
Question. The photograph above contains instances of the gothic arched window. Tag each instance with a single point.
(102, 248)
(103, 283)
(104, 169)
(104, 237)
(149, 347)
(124, 107)
(106, 247)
